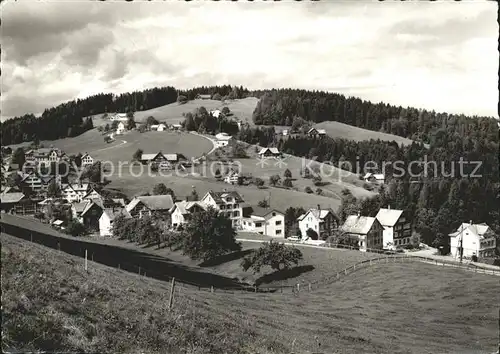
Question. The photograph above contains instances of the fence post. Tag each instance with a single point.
(31, 236)
(139, 270)
(119, 266)
(85, 260)
(345, 271)
(298, 287)
(255, 288)
(170, 300)
(354, 266)
(211, 288)
(309, 287)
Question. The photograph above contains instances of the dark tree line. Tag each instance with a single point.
(279, 107)
(222, 92)
(202, 121)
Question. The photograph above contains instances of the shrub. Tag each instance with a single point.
(308, 190)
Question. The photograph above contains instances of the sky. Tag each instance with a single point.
(435, 55)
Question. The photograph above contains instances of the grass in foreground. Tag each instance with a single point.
(389, 308)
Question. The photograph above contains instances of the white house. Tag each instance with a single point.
(232, 177)
(367, 231)
(269, 152)
(270, 222)
(75, 192)
(46, 156)
(374, 177)
(159, 127)
(87, 160)
(229, 204)
(322, 221)
(476, 239)
(107, 217)
(120, 117)
(223, 139)
(121, 128)
(397, 230)
(182, 211)
(215, 113)
(315, 132)
(176, 126)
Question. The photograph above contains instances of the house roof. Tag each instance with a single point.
(218, 196)
(147, 157)
(80, 207)
(58, 222)
(119, 201)
(388, 217)
(478, 229)
(85, 155)
(355, 224)
(377, 176)
(90, 192)
(318, 214)
(91, 203)
(273, 150)
(321, 131)
(11, 197)
(223, 136)
(185, 206)
(153, 202)
(112, 213)
(77, 187)
(312, 130)
(263, 212)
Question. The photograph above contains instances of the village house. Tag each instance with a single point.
(75, 192)
(108, 216)
(87, 160)
(38, 183)
(121, 128)
(365, 230)
(176, 126)
(228, 203)
(163, 161)
(153, 205)
(8, 201)
(91, 214)
(397, 230)
(232, 177)
(46, 156)
(216, 113)
(77, 210)
(269, 152)
(316, 132)
(322, 221)
(475, 239)
(120, 117)
(264, 221)
(182, 211)
(158, 127)
(203, 97)
(223, 139)
(374, 177)
(91, 195)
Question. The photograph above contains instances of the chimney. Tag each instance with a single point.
(389, 207)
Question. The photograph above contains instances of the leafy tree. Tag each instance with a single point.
(218, 175)
(291, 216)
(313, 235)
(130, 123)
(53, 189)
(287, 183)
(189, 123)
(107, 128)
(274, 179)
(194, 195)
(114, 125)
(142, 128)
(18, 157)
(100, 129)
(317, 180)
(308, 190)
(276, 255)
(182, 99)
(137, 155)
(287, 173)
(259, 182)
(225, 110)
(216, 97)
(264, 203)
(93, 173)
(238, 151)
(151, 121)
(209, 234)
(75, 228)
(319, 191)
(130, 115)
(107, 139)
(160, 189)
(78, 159)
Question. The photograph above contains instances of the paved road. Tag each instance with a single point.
(154, 266)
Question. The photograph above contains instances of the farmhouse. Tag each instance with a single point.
(374, 177)
(228, 203)
(322, 221)
(264, 221)
(91, 214)
(203, 97)
(107, 217)
(122, 128)
(476, 239)
(120, 117)
(176, 126)
(397, 230)
(269, 152)
(36, 182)
(215, 113)
(316, 132)
(154, 205)
(77, 210)
(75, 192)
(46, 156)
(153, 158)
(232, 177)
(87, 160)
(159, 127)
(181, 211)
(223, 139)
(367, 231)
(9, 201)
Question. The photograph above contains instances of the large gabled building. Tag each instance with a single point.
(229, 204)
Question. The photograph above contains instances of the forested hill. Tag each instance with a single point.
(67, 119)
(279, 107)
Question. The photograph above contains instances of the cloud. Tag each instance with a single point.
(422, 54)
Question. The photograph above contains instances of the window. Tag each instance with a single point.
(278, 232)
(236, 213)
(274, 214)
(260, 232)
(223, 207)
(258, 224)
(278, 222)
(229, 206)
(236, 206)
